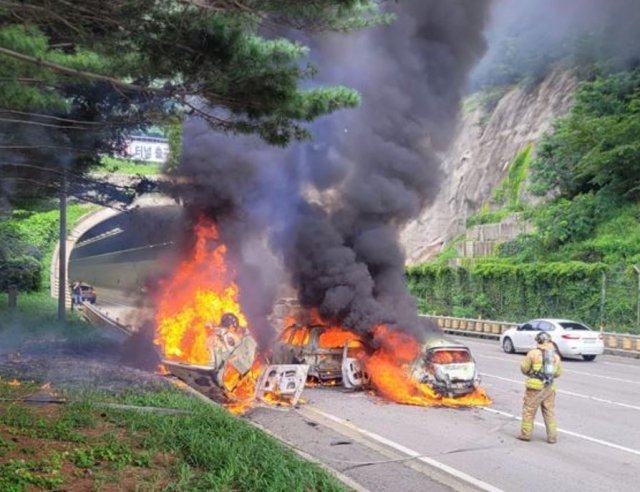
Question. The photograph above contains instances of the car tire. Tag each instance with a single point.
(507, 346)
(589, 358)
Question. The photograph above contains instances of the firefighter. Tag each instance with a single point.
(542, 366)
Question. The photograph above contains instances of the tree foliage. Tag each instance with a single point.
(77, 76)
(503, 290)
(596, 146)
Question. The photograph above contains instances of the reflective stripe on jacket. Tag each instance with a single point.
(533, 363)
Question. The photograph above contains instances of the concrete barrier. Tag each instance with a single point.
(615, 343)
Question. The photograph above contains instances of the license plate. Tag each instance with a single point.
(589, 340)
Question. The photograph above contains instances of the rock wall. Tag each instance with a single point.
(477, 161)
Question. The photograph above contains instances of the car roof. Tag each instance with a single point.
(556, 320)
(435, 343)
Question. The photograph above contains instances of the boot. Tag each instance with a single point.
(522, 437)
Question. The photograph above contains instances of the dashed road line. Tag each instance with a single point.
(570, 393)
(622, 380)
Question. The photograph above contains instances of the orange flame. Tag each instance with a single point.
(388, 369)
(14, 382)
(199, 293)
(192, 303)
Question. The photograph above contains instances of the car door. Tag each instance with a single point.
(520, 336)
(354, 375)
(529, 335)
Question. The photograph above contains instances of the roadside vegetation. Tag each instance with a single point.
(28, 235)
(164, 440)
(579, 262)
(101, 425)
(129, 167)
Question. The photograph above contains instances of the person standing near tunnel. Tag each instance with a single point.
(541, 366)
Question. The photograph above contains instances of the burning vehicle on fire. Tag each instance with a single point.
(447, 366)
(235, 372)
(335, 355)
(331, 353)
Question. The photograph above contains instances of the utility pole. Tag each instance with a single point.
(62, 252)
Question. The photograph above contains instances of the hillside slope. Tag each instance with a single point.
(487, 140)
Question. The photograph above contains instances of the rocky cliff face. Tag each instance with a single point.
(479, 157)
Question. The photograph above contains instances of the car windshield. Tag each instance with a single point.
(573, 326)
(450, 356)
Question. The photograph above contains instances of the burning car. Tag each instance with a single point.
(235, 372)
(330, 352)
(446, 366)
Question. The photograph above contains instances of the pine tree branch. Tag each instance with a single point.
(80, 73)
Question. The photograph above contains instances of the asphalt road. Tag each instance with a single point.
(598, 409)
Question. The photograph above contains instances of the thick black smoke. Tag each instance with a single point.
(346, 259)
(331, 210)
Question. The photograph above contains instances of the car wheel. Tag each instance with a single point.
(507, 346)
(589, 357)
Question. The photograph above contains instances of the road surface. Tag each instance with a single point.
(598, 408)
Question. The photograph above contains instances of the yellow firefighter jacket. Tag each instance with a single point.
(532, 364)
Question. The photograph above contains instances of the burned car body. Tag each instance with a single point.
(235, 371)
(446, 366)
(300, 344)
(332, 354)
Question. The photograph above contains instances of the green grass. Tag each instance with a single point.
(34, 321)
(203, 449)
(84, 445)
(123, 166)
(508, 193)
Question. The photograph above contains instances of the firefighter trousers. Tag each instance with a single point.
(546, 400)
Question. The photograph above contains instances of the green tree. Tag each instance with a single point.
(77, 76)
(596, 146)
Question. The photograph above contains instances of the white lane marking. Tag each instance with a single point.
(630, 381)
(410, 452)
(502, 359)
(570, 393)
(569, 433)
(630, 366)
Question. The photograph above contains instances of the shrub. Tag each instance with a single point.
(23, 271)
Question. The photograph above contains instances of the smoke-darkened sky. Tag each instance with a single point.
(525, 36)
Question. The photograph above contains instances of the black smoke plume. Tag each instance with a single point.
(331, 209)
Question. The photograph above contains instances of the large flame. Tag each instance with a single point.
(199, 293)
(388, 369)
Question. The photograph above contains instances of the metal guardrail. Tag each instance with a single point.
(114, 329)
(615, 342)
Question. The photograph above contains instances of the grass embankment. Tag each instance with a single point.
(84, 444)
(133, 168)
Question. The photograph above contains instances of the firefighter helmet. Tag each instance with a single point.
(229, 320)
(543, 337)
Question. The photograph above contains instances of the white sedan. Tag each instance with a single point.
(569, 338)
